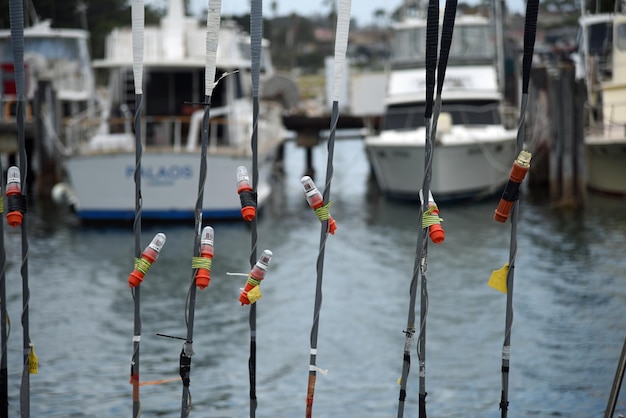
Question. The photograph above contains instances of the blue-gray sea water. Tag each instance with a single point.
(569, 301)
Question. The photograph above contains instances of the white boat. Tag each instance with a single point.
(59, 57)
(101, 165)
(601, 61)
(473, 149)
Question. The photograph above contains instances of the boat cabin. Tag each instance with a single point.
(472, 42)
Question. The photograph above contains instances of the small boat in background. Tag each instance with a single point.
(101, 164)
(59, 85)
(601, 60)
(473, 148)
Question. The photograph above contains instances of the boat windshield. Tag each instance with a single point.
(471, 44)
(411, 115)
(69, 49)
(66, 58)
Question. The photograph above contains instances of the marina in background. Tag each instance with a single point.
(569, 305)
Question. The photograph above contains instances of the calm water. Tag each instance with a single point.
(569, 303)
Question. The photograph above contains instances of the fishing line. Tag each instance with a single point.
(420, 266)
(137, 22)
(341, 44)
(16, 16)
(212, 37)
(530, 29)
(256, 36)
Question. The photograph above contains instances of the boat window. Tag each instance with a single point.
(409, 46)
(411, 116)
(58, 48)
(620, 33)
(404, 116)
(477, 112)
(600, 41)
(471, 44)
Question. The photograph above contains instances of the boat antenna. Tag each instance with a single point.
(17, 202)
(256, 37)
(530, 29)
(341, 45)
(213, 30)
(137, 22)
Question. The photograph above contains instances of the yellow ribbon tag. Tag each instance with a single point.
(254, 294)
(400, 380)
(498, 278)
(33, 363)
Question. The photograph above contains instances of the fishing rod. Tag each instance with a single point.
(341, 44)
(137, 22)
(213, 29)
(428, 209)
(530, 29)
(256, 36)
(4, 318)
(16, 17)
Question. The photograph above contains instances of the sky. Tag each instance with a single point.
(362, 10)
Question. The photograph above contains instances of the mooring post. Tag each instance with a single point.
(555, 137)
(580, 98)
(308, 139)
(568, 118)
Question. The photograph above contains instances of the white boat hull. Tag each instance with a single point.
(104, 187)
(606, 166)
(465, 169)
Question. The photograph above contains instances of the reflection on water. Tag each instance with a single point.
(570, 294)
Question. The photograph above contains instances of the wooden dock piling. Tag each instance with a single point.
(566, 172)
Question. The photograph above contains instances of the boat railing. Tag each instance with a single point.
(180, 133)
(609, 118)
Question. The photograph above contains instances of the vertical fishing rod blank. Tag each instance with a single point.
(530, 29)
(4, 373)
(213, 30)
(428, 208)
(137, 22)
(16, 18)
(341, 44)
(256, 37)
(432, 33)
(617, 384)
